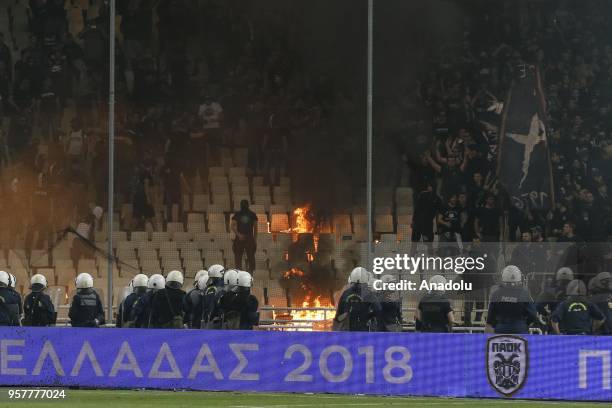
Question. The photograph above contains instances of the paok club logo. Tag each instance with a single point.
(507, 363)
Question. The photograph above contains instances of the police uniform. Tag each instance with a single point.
(38, 310)
(511, 310)
(192, 305)
(86, 308)
(167, 309)
(576, 314)
(603, 301)
(126, 316)
(434, 308)
(361, 306)
(10, 307)
(141, 311)
(550, 297)
(238, 310)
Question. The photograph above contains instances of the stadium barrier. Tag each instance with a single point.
(460, 365)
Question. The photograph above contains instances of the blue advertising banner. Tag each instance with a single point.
(454, 365)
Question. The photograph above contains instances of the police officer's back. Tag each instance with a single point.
(37, 305)
(86, 309)
(220, 299)
(391, 308)
(139, 289)
(238, 305)
(552, 295)
(358, 308)
(511, 308)
(576, 314)
(167, 305)
(141, 311)
(601, 296)
(434, 313)
(10, 302)
(194, 299)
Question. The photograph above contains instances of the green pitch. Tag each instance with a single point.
(120, 399)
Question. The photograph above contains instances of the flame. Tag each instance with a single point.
(302, 222)
(293, 272)
(322, 318)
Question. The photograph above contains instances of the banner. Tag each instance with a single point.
(451, 365)
(524, 164)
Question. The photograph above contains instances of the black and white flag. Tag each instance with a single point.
(523, 161)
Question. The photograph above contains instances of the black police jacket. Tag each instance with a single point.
(10, 307)
(86, 308)
(38, 310)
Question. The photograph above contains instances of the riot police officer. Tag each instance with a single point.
(139, 289)
(601, 296)
(358, 307)
(13, 287)
(86, 309)
(193, 300)
(434, 313)
(551, 296)
(220, 299)
(37, 305)
(391, 308)
(167, 304)
(9, 302)
(238, 306)
(141, 311)
(576, 314)
(511, 309)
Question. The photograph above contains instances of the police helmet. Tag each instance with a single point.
(202, 281)
(602, 282)
(244, 279)
(230, 277)
(576, 288)
(437, 280)
(216, 271)
(140, 280)
(84, 281)
(156, 281)
(13, 281)
(5, 279)
(564, 273)
(38, 282)
(174, 279)
(198, 274)
(511, 275)
(97, 212)
(359, 275)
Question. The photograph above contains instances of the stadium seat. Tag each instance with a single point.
(240, 189)
(195, 218)
(257, 181)
(159, 236)
(147, 253)
(280, 222)
(200, 202)
(383, 223)
(342, 224)
(239, 181)
(173, 227)
(213, 257)
(403, 196)
(196, 228)
(86, 265)
(192, 254)
(278, 209)
(237, 171)
(215, 172)
(39, 258)
(241, 156)
(167, 245)
(181, 237)
(216, 223)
